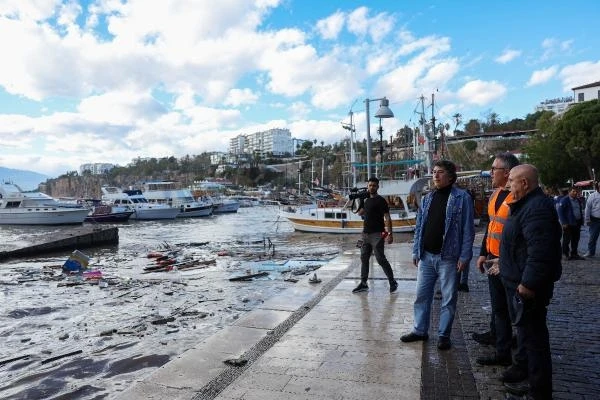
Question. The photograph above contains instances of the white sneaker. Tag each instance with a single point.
(588, 255)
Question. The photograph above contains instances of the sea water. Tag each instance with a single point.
(123, 329)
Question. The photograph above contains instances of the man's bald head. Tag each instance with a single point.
(522, 180)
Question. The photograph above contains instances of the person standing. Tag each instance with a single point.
(530, 263)
(500, 333)
(443, 244)
(592, 219)
(376, 214)
(570, 214)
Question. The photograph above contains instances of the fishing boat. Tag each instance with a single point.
(324, 217)
(102, 213)
(35, 208)
(171, 194)
(134, 199)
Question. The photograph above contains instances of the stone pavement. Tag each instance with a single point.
(320, 341)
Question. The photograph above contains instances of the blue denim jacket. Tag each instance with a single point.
(459, 230)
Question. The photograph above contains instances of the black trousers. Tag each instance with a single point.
(373, 242)
(532, 332)
(570, 241)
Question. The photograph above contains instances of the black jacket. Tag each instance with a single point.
(530, 250)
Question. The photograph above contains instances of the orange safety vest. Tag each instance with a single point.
(497, 221)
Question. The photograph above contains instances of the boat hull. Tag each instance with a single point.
(72, 216)
(153, 213)
(112, 217)
(329, 220)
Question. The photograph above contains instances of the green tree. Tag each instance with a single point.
(473, 127)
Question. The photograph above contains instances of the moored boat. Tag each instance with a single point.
(169, 193)
(102, 213)
(134, 199)
(323, 217)
(21, 208)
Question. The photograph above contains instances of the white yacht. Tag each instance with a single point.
(20, 208)
(171, 194)
(135, 200)
(213, 192)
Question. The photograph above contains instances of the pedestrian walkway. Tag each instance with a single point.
(320, 341)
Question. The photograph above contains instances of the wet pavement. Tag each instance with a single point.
(320, 341)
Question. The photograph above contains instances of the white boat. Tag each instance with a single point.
(169, 193)
(401, 195)
(19, 208)
(135, 200)
(246, 201)
(213, 192)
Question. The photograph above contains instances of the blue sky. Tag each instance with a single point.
(110, 81)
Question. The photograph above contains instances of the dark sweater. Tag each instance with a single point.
(433, 231)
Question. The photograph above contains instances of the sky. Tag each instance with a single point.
(109, 81)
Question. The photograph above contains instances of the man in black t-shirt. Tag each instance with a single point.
(376, 215)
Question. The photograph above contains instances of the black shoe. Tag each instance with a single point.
(444, 343)
(463, 287)
(494, 360)
(517, 388)
(485, 338)
(413, 337)
(576, 257)
(362, 287)
(514, 374)
(393, 286)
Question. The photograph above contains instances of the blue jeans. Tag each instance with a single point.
(594, 230)
(432, 267)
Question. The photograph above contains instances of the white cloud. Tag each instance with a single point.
(507, 56)
(542, 76)
(580, 74)
(553, 47)
(330, 27)
(377, 27)
(237, 97)
(480, 92)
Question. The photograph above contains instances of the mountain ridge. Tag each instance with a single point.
(27, 180)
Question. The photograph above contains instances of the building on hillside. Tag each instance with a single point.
(558, 105)
(277, 142)
(591, 91)
(95, 168)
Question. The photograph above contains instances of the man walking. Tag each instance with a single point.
(570, 213)
(592, 219)
(530, 263)
(376, 214)
(443, 245)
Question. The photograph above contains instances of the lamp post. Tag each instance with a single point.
(383, 112)
(352, 130)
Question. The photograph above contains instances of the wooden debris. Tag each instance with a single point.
(248, 277)
(9, 360)
(61, 356)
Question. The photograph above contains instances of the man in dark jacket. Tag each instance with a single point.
(530, 263)
(570, 213)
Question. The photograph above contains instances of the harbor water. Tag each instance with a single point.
(88, 339)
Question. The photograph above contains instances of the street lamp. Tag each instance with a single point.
(383, 112)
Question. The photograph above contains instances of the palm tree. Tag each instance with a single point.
(457, 120)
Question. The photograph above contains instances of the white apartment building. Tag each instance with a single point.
(96, 168)
(275, 141)
(591, 91)
(558, 105)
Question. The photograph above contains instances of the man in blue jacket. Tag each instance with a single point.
(530, 263)
(570, 213)
(443, 246)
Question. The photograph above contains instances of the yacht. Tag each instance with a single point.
(35, 208)
(171, 194)
(134, 199)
